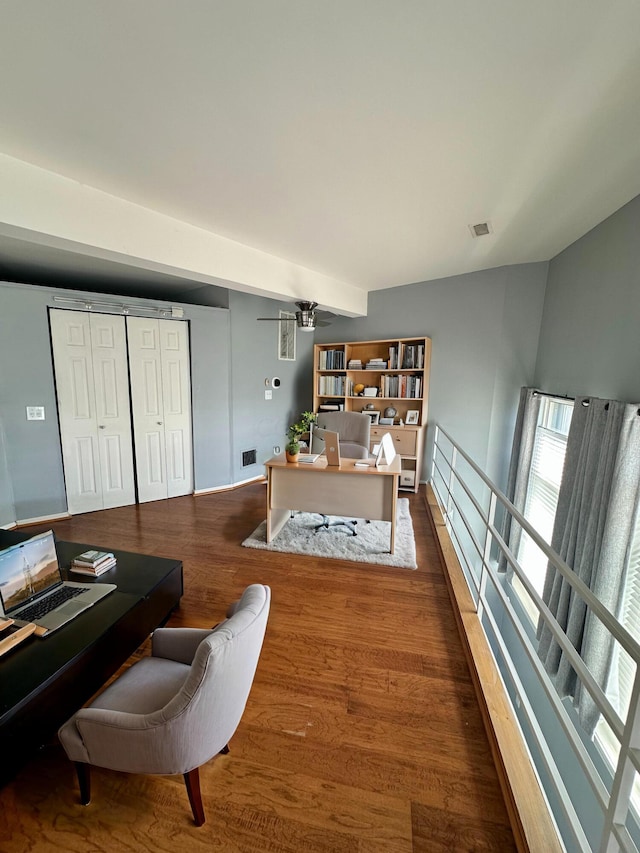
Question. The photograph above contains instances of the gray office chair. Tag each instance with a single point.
(354, 431)
(173, 711)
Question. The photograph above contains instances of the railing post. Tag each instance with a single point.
(486, 553)
(620, 798)
(452, 479)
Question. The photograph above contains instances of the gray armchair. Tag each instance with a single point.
(173, 711)
(354, 430)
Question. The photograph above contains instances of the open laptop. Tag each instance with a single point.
(32, 588)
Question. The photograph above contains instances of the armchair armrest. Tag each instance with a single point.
(177, 644)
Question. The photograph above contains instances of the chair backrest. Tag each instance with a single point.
(354, 429)
(205, 713)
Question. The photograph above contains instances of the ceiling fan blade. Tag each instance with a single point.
(322, 323)
(278, 319)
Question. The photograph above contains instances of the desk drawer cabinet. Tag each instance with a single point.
(404, 439)
(408, 444)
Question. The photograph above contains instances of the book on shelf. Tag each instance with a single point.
(376, 364)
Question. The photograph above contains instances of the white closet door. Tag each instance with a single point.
(176, 394)
(160, 395)
(113, 411)
(93, 409)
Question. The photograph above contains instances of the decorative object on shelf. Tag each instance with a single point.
(390, 412)
(358, 389)
(370, 391)
(412, 416)
(374, 415)
(295, 432)
(368, 407)
(386, 421)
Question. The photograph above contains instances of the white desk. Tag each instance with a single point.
(370, 493)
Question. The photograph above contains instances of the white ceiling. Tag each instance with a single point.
(356, 138)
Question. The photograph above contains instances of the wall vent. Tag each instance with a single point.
(481, 229)
(248, 458)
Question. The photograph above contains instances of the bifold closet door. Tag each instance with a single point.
(161, 403)
(92, 388)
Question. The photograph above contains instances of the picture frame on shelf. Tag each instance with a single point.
(412, 418)
(374, 415)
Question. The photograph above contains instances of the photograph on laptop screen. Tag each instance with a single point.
(26, 569)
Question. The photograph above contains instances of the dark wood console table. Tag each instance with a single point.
(44, 681)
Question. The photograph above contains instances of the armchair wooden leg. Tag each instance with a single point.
(192, 781)
(224, 750)
(84, 780)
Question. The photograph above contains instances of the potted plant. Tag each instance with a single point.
(296, 431)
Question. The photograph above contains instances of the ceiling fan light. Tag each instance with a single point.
(306, 320)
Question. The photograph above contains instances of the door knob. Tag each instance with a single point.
(159, 423)
(101, 426)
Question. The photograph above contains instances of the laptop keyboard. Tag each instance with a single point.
(41, 608)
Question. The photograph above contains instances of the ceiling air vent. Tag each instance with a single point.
(481, 229)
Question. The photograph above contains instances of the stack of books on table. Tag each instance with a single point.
(93, 563)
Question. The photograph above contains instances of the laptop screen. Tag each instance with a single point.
(27, 570)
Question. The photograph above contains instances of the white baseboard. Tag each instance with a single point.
(231, 486)
(42, 519)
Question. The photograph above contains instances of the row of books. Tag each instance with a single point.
(407, 357)
(393, 386)
(412, 356)
(331, 386)
(401, 386)
(93, 562)
(331, 359)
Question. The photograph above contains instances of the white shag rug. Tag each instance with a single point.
(371, 545)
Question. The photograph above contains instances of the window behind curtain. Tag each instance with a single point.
(623, 670)
(549, 450)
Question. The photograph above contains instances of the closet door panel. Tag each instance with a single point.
(176, 389)
(71, 341)
(145, 370)
(113, 414)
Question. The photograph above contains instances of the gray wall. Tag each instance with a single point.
(484, 328)
(589, 341)
(258, 423)
(231, 354)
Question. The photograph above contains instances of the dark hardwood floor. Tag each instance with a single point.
(362, 733)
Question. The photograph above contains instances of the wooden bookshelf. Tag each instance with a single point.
(397, 376)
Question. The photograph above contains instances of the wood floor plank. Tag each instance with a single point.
(361, 734)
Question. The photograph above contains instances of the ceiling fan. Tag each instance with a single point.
(307, 318)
